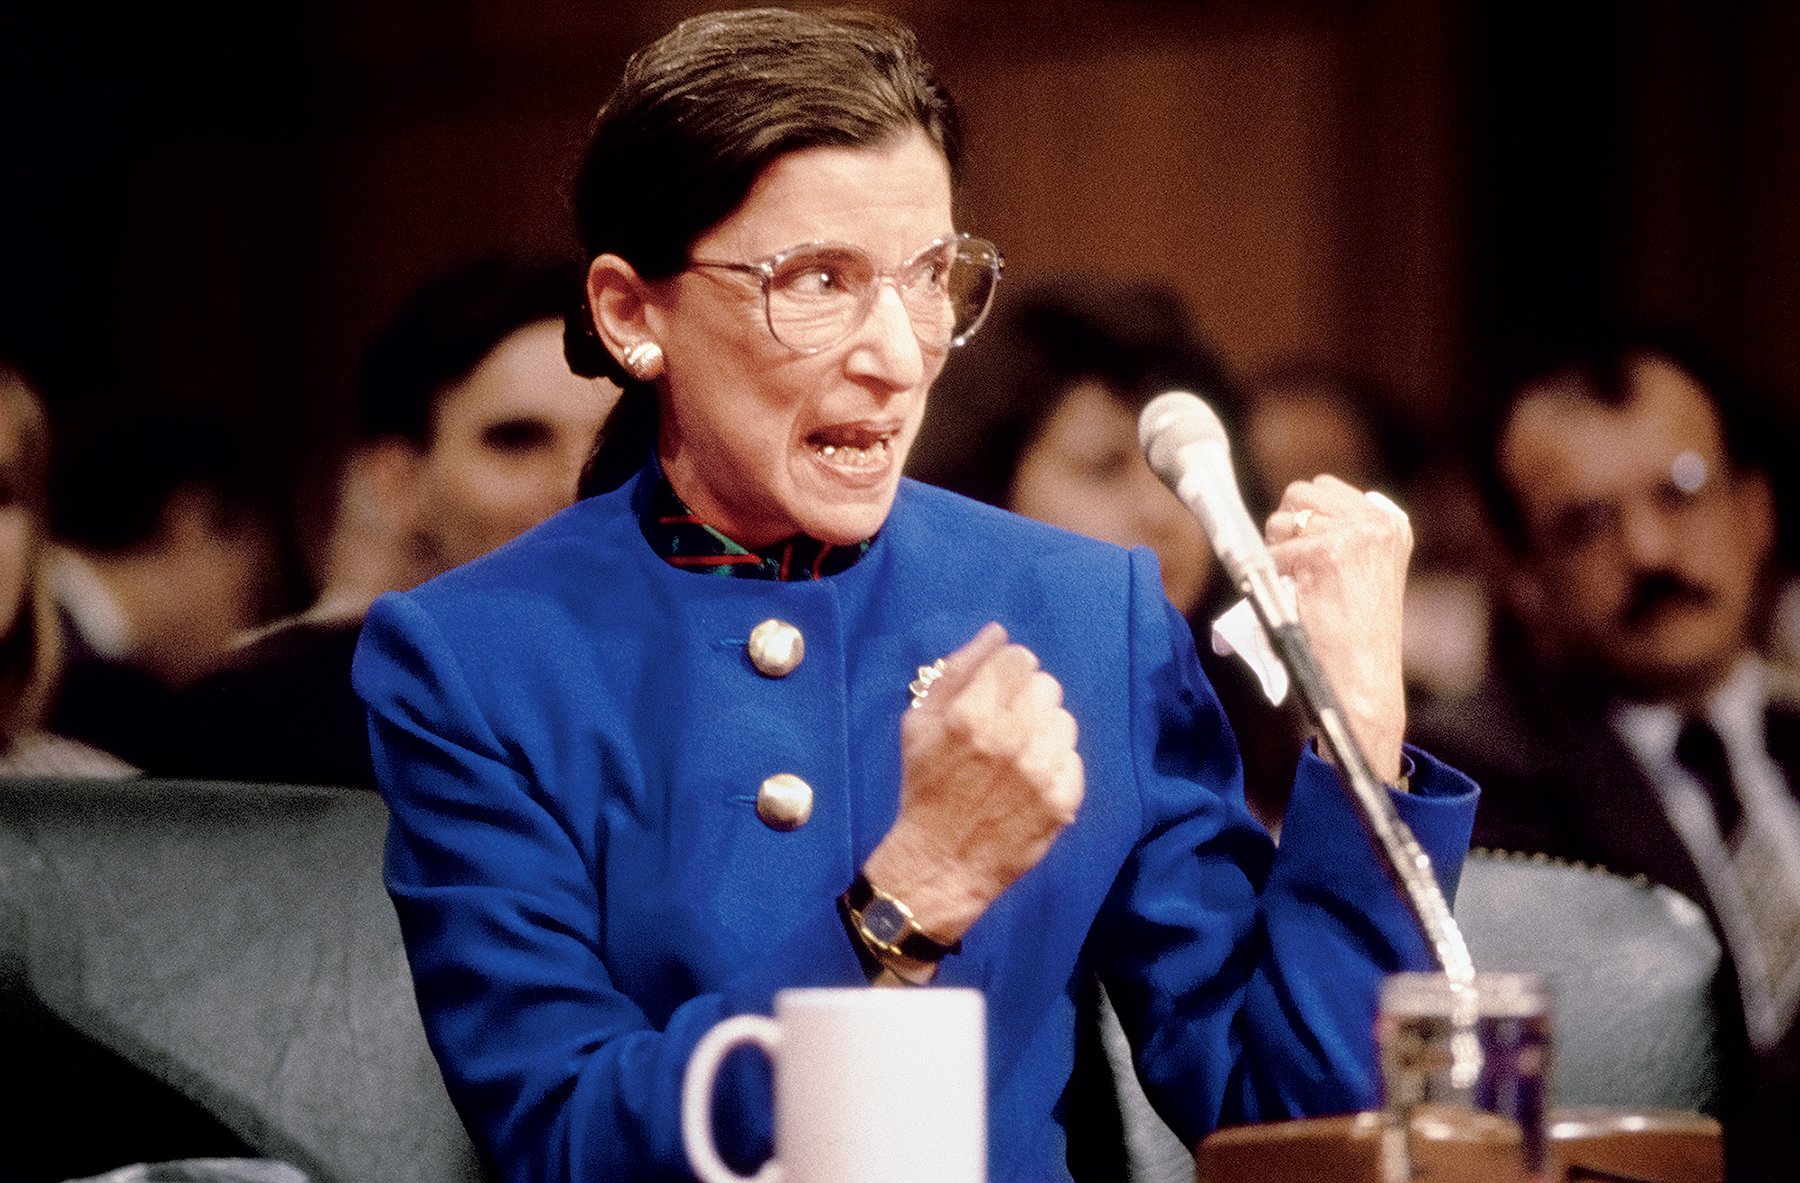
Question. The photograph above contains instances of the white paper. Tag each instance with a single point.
(1239, 631)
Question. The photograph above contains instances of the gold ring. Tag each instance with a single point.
(1301, 518)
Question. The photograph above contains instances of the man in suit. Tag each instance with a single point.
(1636, 724)
(166, 533)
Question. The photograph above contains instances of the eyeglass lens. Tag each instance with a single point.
(819, 295)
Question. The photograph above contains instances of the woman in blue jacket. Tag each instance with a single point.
(766, 715)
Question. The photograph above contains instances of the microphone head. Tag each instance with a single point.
(1171, 422)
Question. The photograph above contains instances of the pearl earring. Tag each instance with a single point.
(644, 361)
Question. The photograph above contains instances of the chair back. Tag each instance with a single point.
(1633, 967)
(235, 942)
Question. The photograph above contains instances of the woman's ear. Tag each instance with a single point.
(619, 300)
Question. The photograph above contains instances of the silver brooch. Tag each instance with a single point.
(921, 685)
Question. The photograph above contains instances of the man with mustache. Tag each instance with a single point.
(1633, 720)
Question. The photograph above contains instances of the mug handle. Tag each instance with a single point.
(697, 1090)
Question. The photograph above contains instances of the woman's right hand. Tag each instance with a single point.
(989, 778)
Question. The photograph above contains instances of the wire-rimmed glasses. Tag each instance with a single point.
(819, 293)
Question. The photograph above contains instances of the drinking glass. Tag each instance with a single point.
(1482, 1046)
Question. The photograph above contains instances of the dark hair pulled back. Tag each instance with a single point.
(696, 118)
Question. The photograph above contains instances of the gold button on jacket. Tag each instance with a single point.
(784, 802)
(776, 648)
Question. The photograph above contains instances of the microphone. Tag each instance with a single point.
(1186, 446)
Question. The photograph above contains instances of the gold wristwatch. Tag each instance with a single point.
(886, 926)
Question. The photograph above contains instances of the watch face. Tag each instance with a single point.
(883, 922)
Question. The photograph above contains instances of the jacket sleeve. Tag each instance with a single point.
(558, 1074)
(1246, 975)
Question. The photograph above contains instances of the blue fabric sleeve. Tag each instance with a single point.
(1247, 975)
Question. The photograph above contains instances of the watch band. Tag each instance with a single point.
(872, 967)
(885, 925)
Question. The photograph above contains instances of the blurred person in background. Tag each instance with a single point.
(73, 1106)
(471, 429)
(1039, 415)
(1303, 417)
(167, 553)
(30, 635)
(1637, 722)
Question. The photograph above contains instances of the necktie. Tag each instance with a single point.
(1767, 894)
(1702, 753)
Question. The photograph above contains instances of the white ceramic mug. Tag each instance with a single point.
(871, 1086)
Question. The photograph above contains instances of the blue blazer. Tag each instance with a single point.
(571, 737)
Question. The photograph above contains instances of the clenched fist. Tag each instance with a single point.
(989, 778)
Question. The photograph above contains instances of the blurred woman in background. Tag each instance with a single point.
(1039, 415)
(30, 644)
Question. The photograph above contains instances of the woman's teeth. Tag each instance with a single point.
(853, 456)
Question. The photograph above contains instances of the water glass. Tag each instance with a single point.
(1482, 1047)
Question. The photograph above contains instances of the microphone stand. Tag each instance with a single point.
(1185, 446)
(1274, 605)
(1408, 863)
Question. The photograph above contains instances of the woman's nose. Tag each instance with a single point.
(888, 343)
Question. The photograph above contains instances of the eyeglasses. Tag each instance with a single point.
(817, 294)
(1587, 526)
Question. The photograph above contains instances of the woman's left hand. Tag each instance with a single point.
(1347, 553)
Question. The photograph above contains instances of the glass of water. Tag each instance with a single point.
(1483, 1047)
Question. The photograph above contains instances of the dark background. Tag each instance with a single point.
(213, 204)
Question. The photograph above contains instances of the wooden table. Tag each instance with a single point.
(1588, 1145)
